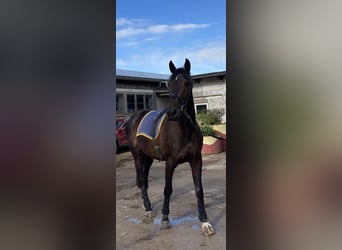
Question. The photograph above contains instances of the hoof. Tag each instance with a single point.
(207, 229)
(165, 224)
(148, 214)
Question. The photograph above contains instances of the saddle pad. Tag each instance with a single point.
(146, 124)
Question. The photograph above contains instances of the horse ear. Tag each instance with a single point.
(172, 67)
(187, 65)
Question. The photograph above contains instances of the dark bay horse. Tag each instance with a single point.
(179, 140)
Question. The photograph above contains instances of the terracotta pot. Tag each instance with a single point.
(211, 145)
(220, 131)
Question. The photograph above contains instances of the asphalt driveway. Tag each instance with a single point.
(135, 231)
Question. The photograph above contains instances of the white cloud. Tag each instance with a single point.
(129, 32)
(178, 27)
(148, 39)
(142, 55)
(133, 22)
(162, 28)
(133, 27)
(120, 63)
(205, 59)
(123, 21)
(210, 54)
(128, 44)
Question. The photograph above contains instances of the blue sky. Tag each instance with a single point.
(151, 33)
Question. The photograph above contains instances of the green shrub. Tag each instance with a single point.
(207, 131)
(210, 117)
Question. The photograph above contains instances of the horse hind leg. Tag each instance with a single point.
(143, 165)
(144, 195)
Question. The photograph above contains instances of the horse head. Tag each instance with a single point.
(180, 87)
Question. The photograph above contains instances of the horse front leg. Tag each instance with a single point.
(169, 170)
(196, 169)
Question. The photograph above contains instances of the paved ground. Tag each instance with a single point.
(135, 231)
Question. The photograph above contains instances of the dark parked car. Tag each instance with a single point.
(120, 133)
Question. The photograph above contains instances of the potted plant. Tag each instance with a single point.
(214, 138)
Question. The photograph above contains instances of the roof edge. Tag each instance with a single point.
(123, 73)
(211, 74)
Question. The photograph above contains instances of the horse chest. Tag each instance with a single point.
(182, 147)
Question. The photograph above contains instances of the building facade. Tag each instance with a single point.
(209, 92)
(140, 90)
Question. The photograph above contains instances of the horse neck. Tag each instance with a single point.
(190, 108)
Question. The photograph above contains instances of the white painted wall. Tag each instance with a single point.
(162, 102)
(211, 91)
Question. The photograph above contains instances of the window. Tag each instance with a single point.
(148, 101)
(130, 103)
(140, 102)
(133, 102)
(201, 107)
(119, 103)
